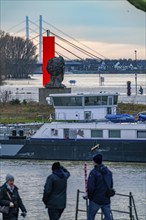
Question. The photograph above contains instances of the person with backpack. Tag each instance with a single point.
(100, 189)
(55, 191)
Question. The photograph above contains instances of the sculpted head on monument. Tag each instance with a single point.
(55, 68)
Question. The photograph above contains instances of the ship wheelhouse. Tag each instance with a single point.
(83, 106)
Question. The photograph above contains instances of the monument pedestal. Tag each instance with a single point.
(45, 92)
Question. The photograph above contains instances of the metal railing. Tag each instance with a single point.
(131, 212)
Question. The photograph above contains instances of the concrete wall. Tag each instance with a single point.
(45, 92)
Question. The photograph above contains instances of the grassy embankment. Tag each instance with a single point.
(33, 112)
(24, 113)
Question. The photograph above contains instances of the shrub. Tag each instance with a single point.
(15, 102)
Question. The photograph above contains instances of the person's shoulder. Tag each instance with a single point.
(51, 177)
(16, 188)
(93, 171)
(107, 169)
(2, 187)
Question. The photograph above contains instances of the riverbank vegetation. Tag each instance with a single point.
(17, 57)
(16, 112)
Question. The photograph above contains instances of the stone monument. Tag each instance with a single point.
(55, 67)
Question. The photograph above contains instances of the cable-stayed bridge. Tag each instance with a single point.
(71, 49)
(65, 45)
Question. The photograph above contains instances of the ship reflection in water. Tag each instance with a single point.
(31, 175)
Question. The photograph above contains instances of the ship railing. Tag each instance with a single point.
(129, 214)
(81, 120)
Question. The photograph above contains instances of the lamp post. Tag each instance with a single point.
(99, 79)
(136, 72)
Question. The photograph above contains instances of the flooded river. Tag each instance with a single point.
(30, 177)
(28, 89)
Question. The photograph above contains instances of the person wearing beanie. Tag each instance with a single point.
(97, 159)
(55, 190)
(9, 177)
(9, 196)
(56, 166)
(99, 181)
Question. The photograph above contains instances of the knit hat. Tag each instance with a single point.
(9, 177)
(97, 158)
(56, 166)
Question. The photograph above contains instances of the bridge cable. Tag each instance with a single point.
(75, 40)
(76, 47)
(62, 55)
(68, 51)
(15, 26)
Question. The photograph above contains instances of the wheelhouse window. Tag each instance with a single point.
(67, 101)
(95, 100)
(115, 100)
(114, 133)
(141, 134)
(96, 133)
(104, 100)
(110, 100)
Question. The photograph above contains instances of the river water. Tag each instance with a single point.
(28, 89)
(30, 177)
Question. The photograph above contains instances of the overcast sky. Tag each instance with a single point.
(113, 28)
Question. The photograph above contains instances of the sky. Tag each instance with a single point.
(113, 28)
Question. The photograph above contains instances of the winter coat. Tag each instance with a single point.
(55, 189)
(97, 186)
(5, 201)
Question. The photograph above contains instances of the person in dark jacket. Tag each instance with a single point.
(99, 180)
(9, 196)
(54, 196)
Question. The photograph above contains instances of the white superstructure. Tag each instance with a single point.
(83, 106)
(82, 116)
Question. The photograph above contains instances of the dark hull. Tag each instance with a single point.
(80, 150)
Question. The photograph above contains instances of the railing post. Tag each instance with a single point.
(77, 205)
(130, 206)
(134, 208)
(87, 207)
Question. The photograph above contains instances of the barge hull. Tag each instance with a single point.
(81, 150)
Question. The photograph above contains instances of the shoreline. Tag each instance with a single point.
(28, 89)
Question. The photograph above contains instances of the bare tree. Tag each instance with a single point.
(2, 57)
(17, 56)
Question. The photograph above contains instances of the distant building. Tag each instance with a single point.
(96, 66)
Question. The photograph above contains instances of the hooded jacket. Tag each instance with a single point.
(97, 186)
(55, 188)
(15, 198)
